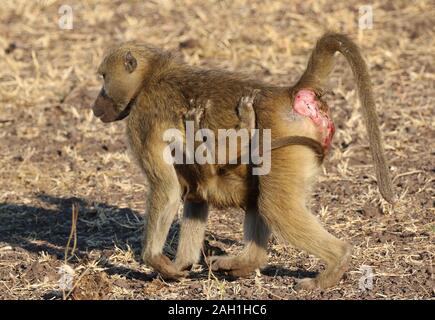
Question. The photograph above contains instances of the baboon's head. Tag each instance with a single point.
(123, 71)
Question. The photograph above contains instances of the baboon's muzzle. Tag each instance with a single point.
(106, 109)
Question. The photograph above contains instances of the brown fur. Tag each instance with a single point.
(156, 90)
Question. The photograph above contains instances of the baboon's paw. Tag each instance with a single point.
(246, 104)
(184, 264)
(333, 274)
(328, 278)
(322, 281)
(196, 113)
(193, 115)
(245, 110)
(234, 266)
(166, 268)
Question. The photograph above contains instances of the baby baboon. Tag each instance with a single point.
(247, 120)
(155, 90)
(246, 115)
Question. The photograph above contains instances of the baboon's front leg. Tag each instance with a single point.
(192, 233)
(162, 205)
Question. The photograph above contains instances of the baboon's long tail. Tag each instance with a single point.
(319, 67)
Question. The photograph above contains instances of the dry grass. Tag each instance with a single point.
(55, 153)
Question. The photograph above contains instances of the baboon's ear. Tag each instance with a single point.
(130, 62)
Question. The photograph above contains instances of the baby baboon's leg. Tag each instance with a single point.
(192, 234)
(254, 255)
(245, 111)
(247, 119)
(282, 201)
(197, 113)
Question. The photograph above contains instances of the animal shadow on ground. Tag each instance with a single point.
(100, 227)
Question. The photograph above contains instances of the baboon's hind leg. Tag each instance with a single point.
(256, 232)
(254, 255)
(282, 202)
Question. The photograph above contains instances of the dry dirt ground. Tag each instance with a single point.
(55, 153)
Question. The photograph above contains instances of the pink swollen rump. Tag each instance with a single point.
(307, 105)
